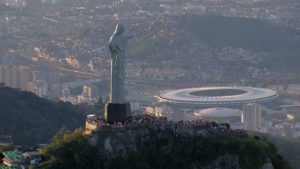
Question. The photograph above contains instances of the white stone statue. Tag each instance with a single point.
(117, 45)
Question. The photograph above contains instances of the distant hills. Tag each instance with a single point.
(31, 119)
(278, 42)
(251, 34)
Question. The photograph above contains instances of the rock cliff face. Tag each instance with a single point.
(119, 141)
(162, 145)
(113, 143)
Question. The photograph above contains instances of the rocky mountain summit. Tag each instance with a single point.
(157, 144)
(114, 143)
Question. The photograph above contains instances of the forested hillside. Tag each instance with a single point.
(31, 119)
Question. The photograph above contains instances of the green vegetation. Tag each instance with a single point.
(162, 151)
(5, 167)
(31, 119)
(70, 150)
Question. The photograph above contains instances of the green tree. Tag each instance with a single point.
(70, 150)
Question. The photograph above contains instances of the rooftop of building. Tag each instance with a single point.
(218, 112)
(13, 154)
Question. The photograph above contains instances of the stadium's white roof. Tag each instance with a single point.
(226, 95)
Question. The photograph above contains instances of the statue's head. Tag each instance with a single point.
(119, 29)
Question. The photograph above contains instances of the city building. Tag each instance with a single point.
(15, 76)
(50, 77)
(89, 91)
(292, 111)
(17, 159)
(15, 3)
(53, 77)
(55, 91)
(220, 114)
(33, 157)
(135, 105)
(12, 158)
(287, 130)
(7, 76)
(39, 87)
(92, 123)
(3, 69)
(24, 78)
(251, 117)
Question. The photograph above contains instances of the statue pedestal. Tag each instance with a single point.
(116, 112)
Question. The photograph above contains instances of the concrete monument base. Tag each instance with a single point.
(116, 112)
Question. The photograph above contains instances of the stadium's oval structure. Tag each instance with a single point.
(218, 96)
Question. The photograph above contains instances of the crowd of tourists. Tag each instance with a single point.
(163, 123)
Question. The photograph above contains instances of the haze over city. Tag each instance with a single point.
(127, 79)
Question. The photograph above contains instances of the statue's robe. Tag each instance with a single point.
(117, 45)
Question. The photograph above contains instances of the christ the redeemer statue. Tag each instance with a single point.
(117, 109)
(117, 45)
